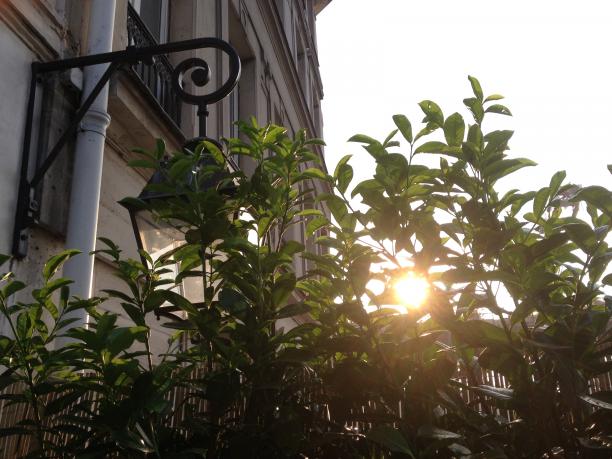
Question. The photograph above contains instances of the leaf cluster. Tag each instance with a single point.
(282, 345)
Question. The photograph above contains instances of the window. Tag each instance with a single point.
(155, 15)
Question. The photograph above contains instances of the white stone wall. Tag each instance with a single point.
(16, 58)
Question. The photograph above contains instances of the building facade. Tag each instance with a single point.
(280, 83)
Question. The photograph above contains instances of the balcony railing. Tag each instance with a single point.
(156, 76)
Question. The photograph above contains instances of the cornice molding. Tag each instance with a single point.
(23, 28)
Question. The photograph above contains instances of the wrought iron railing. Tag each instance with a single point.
(155, 76)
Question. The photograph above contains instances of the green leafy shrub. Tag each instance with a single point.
(272, 361)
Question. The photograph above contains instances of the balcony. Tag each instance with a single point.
(155, 77)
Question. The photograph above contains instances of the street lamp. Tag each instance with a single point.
(156, 228)
(155, 231)
(154, 234)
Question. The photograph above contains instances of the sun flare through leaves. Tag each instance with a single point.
(411, 290)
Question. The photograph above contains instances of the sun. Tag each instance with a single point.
(411, 290)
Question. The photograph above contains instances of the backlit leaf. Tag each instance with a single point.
(500, 109)
(404, 126)
(476, 88)
(454, 129)
(433, 113)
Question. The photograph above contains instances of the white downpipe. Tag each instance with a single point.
(89, 154)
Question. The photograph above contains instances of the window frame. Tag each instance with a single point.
(164, 18)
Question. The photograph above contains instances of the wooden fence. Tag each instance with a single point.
(15, 446)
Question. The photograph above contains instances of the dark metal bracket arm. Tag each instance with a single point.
(27, 211)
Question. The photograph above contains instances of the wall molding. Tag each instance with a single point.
(23, 28)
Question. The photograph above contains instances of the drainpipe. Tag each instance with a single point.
(89, 154)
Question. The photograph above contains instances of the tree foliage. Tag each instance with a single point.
(274, 361)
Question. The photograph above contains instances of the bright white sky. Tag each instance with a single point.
(551, 59)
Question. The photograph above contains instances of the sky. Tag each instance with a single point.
(552, 60)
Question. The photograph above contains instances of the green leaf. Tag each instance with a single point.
(475, 107)
(479, 333)
(388, 140)
(232, 301)
(292, 310)
(118, 294)
(24, 324)
(433, 113)
(436, 433)
(390, 438)
(493, 97)
(344, 160)
(376, 150)
(62, 402)
(214, 152)
(121, 339)
(315, 173)
(597, 196)
(544, 247)
(497, 141)
(291, 248)
(282, 288)
(539, 202)
(428, 129)
(160, 148)
(361, 138)
(366, 187)
(476, 88)
(464, 275)
(404, 126)
(339, 210)
(343, 175)
(470, 151)
(273, 133)
(599, 399)
(315, 224)
(583, 235)
(475, 136)
(454, 129)
(315, 141)
(55, 262)
(431, 147)
(504, 167)
(500, 393)
(50, 287)
(177, 300)
(310, 213)
(143, 163)
(555, 182)
(12, 287)
(154, 300)
(180, 168)
(500, 109)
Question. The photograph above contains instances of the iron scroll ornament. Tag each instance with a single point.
(200, 77)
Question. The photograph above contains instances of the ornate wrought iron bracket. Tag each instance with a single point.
(26, 212)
